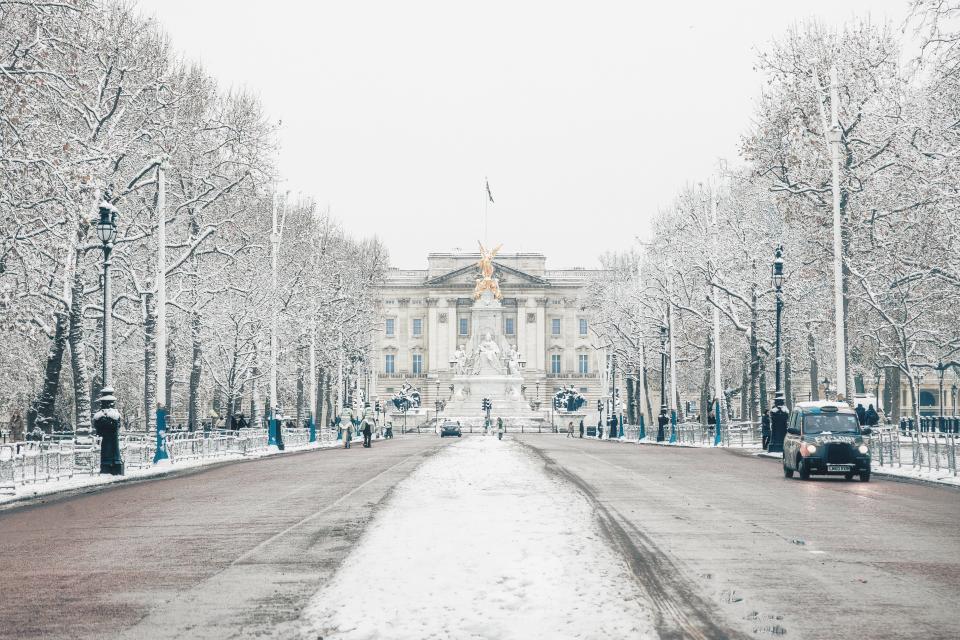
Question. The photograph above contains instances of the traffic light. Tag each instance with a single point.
(376, 406)
(600, 405)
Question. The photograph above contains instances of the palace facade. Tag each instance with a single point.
(427, 317)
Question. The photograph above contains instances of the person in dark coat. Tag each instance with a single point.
(581, 427)
(765, 429)
(599, 430)
(871, 417)
(861, 415)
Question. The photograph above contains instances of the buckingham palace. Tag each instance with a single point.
(430, 321)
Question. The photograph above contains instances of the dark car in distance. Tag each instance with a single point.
(825, 438)
(450, 428)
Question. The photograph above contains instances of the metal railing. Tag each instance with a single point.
(32, 462)
(928, 450)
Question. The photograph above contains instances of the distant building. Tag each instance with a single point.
(427, 317)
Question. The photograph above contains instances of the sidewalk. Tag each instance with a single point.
(912, 473)
(30, 491)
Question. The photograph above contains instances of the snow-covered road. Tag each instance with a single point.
(481, 542)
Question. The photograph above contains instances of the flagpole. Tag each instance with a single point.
(486, 210)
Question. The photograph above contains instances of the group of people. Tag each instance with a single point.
(613, 426)
(365, 423)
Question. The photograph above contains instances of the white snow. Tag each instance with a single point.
(481, 542)
(943, 476)
(35, 490)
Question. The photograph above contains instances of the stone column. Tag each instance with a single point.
(434, 364)
(541, 329)
(452, 328)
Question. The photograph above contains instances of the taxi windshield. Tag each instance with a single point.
(832, 422)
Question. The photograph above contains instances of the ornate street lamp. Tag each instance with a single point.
(779, 413)
(106, 421)
(663, 419)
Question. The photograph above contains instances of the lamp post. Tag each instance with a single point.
(779, 413)
(107, 420)
(663, 419)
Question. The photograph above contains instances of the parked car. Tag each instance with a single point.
(450, 428)
(824, 438)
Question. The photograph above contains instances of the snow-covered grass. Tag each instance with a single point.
(35, 490)
(480, 542)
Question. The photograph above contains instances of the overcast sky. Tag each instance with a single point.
(586, 116)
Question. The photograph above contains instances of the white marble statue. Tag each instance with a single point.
(513, 360)
(489, 352)
(460, 356)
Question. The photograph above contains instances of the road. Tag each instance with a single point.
(721, 541)
(234, 551)
(721, 544)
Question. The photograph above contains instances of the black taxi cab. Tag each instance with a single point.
(825, 438)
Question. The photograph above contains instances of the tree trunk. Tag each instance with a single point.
(78, 357)
(764, 397)
(787, 379)
(193, 393)
(891, 394)
(705, 390)
(41, 409)
(745, 392)
(631, 401)
(149, 361)
(300, 394)
(254, 399)
(171, 370)
(814, 368)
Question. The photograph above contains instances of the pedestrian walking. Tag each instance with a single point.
(369, 422)
(861, 415)
(765, 429)
(581, 427)
(599, 429)
(500, 429)
(346, 425)
(570, 429)
(871, 417)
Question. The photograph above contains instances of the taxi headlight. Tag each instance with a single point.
(863, 449)
(811, 449)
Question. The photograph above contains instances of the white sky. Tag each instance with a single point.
(586, 116)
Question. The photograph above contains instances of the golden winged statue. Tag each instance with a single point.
(487, 282)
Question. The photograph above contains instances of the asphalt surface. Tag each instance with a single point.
(725, 546)
(230, 552)
(721, 543)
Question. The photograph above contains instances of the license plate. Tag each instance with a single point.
(838, 467)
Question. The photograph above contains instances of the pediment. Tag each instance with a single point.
(469, 274)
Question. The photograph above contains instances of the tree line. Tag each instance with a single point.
(94, 104)
(898, 138)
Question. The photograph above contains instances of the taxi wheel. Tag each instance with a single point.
(803, 470)
(848, 476)
(787, 471)
(864, 476)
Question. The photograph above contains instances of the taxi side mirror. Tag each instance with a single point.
(793, 431)
(866, 430)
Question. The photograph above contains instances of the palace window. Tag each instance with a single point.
(555, 326)
(417, 364)
(417, 327)
(583, 326)
(554, 363)
(390, 326)
(583, 363)
(508, 326)
(388, 363)
(464, 326)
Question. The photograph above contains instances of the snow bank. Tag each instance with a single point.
(480, 542)
(943, 476)
(81, 481)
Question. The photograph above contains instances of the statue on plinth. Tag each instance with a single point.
(489, 352)
(487, 282)
(513, 360)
